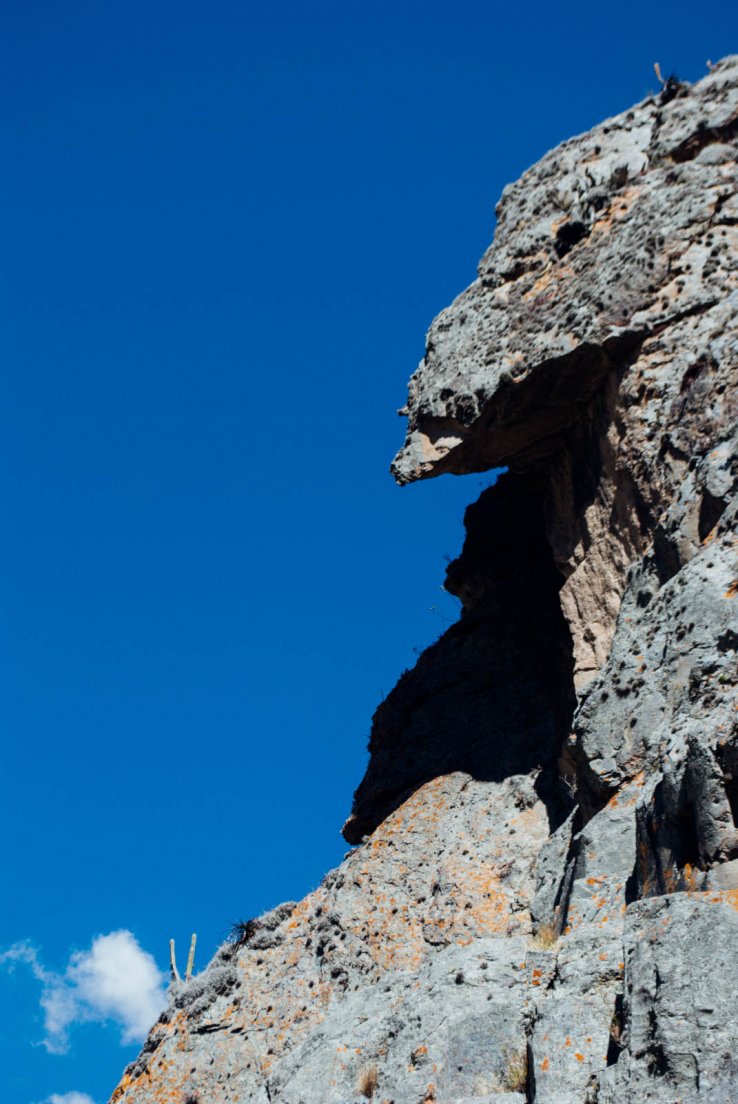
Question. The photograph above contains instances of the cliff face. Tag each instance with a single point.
(543, 902)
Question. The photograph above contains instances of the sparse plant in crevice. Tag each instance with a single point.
(242, 931)
(615, 1044)
(545, 937)
(260, 931)
(669, 85)
(367, 1081)
(569, 783)
(514, 1074)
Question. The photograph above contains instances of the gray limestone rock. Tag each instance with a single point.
(542, 905)
(677, 1036)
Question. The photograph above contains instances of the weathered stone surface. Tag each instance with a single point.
(410, 958)
(599, 244)
(543, 902)
(600, 310)
(678, 1035)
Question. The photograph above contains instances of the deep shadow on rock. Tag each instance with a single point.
(493, 697)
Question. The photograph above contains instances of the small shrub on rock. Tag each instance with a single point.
(367, 1081)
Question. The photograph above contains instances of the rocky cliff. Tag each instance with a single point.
(543, 901)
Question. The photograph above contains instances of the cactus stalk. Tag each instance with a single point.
(191, 958)
(173, 963)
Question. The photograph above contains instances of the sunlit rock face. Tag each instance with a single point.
(542, 903)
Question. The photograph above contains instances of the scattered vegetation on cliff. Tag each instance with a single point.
(367, 1081)
(545, 937)
(514, 1075)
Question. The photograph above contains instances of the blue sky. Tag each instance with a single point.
(226, 228)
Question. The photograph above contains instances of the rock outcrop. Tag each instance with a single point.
(542, 904)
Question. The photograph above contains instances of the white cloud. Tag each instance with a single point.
(25, 953)
(119, 981)
(69, 1098)
(114, 980)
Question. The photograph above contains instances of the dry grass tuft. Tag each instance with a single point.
(514, 1077)
(367, 1081)
(545, 938)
